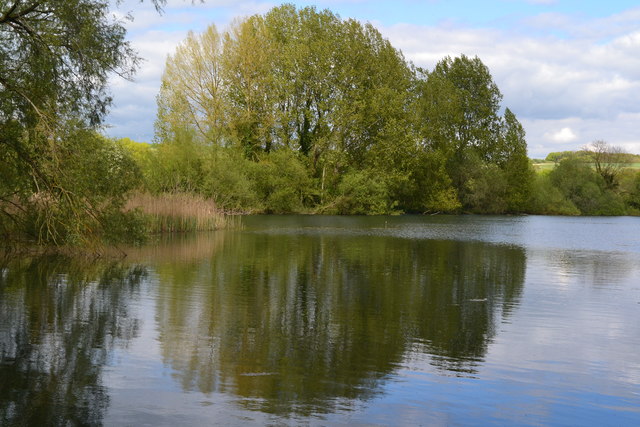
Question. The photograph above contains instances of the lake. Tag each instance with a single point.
(322, 320)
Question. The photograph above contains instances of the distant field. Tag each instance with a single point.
(543, 166)
(549, 165)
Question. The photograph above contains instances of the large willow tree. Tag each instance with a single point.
(55, 59)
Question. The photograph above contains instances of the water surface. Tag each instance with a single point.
(332, 321)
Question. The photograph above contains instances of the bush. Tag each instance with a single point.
(546, 199)
(281, 182)
(78, 195)
(228, 182)
(364, 193)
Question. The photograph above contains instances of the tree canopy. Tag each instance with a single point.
(294, 110)
(55, 59)
(369, 127)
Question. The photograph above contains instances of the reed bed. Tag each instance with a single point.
(179, 212)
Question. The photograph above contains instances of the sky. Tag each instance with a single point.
(568, 69)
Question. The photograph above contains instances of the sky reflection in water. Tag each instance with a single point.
(377, 320)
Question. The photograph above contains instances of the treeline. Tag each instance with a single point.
(586, 155)
(298, 110)
(295, 110)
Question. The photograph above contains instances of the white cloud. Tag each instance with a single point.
(563, 135)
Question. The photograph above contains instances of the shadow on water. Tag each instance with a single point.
(299, 323)
(60, 319)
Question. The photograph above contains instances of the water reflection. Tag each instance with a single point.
(345, 320)
(597, 269)
(300, 323)
(59, 320)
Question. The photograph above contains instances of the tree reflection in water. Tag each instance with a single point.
(298, 324)
(59, 320)
(290, 324)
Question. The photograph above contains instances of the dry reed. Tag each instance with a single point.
(179, 212)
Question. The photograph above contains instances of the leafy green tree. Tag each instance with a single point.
(178, 164)
(334, 91)
(432, 190)
(228, 180)
(305, 73)
(246, 56)
(477, 101)
(556, 157)
(191, 92)
(547, 199)
(55, 59)
(485, 154)
(306, 80)
(364, 193)
(511, 156)
(630, 190)
(90, 177)
(281, 182)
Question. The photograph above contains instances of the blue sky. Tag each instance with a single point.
(569, 69)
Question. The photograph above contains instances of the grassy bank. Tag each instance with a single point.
(179, 212)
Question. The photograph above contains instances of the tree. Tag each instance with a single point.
(511, 155)
(55, 59)
(586, 189)
(333, 90)
(608, 161)
(306, 80)
(191, 91)
(346, 105)
(247, 54)
(485, 154)
(476, 101)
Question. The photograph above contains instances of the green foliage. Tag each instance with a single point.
(78, 194)
(586, 189)
(364, 193)
(485, 154)
(55, 58)
(484, 189)
(546, 199)
(578, 183)
(281, 182)
(511, 156)
(61, 182)
(177, 164)
(561, 155)
(630, 190)
(298, 110)
(608, 162)
(228, 181)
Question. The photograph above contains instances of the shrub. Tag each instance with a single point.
(364, 193)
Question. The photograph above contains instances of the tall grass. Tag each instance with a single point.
(179, 212)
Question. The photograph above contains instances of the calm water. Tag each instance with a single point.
(333, 321)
